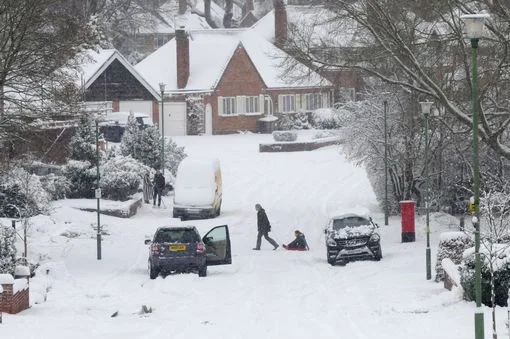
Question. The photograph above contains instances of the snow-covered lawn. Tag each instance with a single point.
(263, 294)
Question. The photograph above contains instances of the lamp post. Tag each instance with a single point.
(162, 90)
(386, 213)
(98, 195)
(425, 109)
(474, 24)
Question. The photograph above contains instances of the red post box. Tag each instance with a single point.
(407, 208)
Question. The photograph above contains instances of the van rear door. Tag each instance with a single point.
(217, 244)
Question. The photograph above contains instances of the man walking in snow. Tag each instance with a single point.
(264, 227)
(159, 186)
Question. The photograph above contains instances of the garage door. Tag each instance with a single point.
(175, 118)
(136, 106)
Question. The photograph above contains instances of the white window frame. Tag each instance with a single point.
(228, 106)
(287, 103)
(314, 101)
(252, 104)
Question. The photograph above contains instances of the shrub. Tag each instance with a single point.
(285, 135)
(82, 179)
(451, 245)
(24, 195)
(326, 118)
(7, 250)
(501, 277)
(121, 177)
(294, 121)
(57, 186)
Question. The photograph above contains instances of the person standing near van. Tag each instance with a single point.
(263, 227)
(159, 186)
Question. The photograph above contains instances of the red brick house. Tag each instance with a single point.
(235, 74)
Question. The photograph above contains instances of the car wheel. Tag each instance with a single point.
(202, 271)
(378, 256)
(153, 271)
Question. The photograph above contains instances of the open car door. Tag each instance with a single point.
(217, 244)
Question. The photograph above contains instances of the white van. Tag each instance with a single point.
(197, 189)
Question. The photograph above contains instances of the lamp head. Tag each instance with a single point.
(474, 24)
(425, 106)
(161, 87)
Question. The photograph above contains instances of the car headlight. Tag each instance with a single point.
(331, 242)
(375, 237)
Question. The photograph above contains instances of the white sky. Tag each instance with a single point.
(263, 294)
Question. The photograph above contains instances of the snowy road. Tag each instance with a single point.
(265, 294)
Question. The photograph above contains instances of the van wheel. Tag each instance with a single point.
(218, 211)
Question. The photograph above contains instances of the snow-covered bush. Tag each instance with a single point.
(121, 177)
(285, 135)
(83, 142)
(326, 118)
(500, 267)
(150, 147)
(294, 121)
(174, 154)
(7, 250)
(82, 178)
(452, 246)
(57, 186)
(24, 194)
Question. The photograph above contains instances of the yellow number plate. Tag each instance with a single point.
(177, 248)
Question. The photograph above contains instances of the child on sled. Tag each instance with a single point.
(298, 244)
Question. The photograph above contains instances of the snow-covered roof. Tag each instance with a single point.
(94, 63)
(316, 23)
(210, 52)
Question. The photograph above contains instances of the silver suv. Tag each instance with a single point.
(351, 237)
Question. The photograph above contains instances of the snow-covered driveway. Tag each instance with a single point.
(263, 294)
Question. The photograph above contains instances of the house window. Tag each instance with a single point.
(313, 101)
(229, 106)
(346, 94)
(288, 103)
(252, 105)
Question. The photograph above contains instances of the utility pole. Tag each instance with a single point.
(98, 195)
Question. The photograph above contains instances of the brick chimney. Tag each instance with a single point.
(280, 22)
(183, 4)
(182, 50)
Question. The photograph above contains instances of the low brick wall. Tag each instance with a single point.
(296, 146)
(13, 303)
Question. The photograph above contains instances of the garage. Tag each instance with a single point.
(174, 118)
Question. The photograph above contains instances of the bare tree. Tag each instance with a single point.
(419, 46)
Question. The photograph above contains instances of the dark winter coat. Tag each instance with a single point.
(299, 242)
(263, 224)
(159, 182)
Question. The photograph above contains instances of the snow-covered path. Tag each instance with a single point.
(264, 294)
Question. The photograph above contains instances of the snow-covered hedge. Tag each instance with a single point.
(451, 245)
(24, 194)
(57, 186)
(7, 250)
(294, 121)
(121, 177)
(285, 135)
(326, 118)
(82, 178)
(501, 267)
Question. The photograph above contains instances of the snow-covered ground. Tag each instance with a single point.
(263, 294)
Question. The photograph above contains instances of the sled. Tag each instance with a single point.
(294, 248)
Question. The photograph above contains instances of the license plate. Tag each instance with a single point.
(177, 248)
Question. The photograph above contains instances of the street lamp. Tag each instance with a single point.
(386, 213)
(425, 109)
(474, 24)
(162, 90)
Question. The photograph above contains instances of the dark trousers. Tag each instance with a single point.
(157, 194)
(266, 236)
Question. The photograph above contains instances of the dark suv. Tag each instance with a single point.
(350, 237)
(180, 249)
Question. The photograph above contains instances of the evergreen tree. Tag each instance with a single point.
(130, 142)
(150, 147)
(83, 141)
(7, 250)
